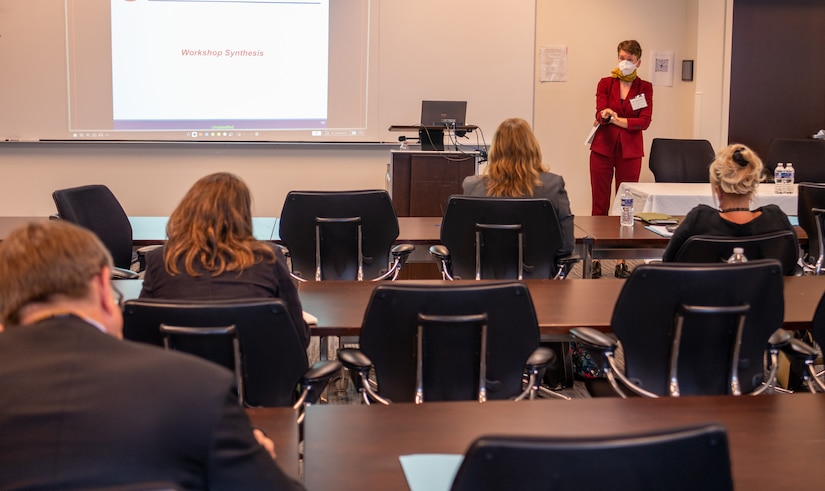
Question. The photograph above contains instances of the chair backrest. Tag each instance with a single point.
(781, 245)
(645, 314)
(675, 459)
(389, 338)
(337, 241)
(807, 156)
(811, 196)
(95, 207)
(675, 160)
(486, 237)
(273, 357)
(202, 342)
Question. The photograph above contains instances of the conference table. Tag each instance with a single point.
(596, 237)
(280, 425)
(674, 198)
(775, 441)
(560, 304)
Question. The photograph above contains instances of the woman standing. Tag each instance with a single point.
(624, 108)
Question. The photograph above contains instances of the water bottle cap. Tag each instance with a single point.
(738, 250)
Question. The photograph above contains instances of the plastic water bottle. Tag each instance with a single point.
(738, 256)
(790, 175)
(627, 208)
(778, 175)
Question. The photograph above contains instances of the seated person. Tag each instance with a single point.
(515, 169)
(211, 253)
(83, 409)
(734, 178)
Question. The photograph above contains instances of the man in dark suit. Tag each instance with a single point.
(80, 408)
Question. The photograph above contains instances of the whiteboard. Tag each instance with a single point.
(481, 52)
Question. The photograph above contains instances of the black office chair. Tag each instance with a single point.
(694, 329)
(807, 156)
(810, 206)
(676, 160)
(436, 342)
(501, 238)
(96, 208)
(781, 245)
(342, 235)
(674, 459)
(273, 366)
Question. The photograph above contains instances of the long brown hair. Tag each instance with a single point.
(514, 161)
(213, 226)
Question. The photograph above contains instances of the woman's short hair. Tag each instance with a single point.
(212, 227)
(736, 170)
(41, 260)
(631, 46)
(514, 161)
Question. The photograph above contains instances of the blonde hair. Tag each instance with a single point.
(736, 170)
(43, 259)
(514, 161)
(212, 226)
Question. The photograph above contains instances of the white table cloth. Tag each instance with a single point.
(680, 198)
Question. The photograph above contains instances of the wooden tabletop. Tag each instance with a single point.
(280, 425)
(776, 441)
(560, 304)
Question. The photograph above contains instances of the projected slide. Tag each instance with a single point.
(220, 64)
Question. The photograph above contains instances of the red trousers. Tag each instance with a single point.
(601, 175)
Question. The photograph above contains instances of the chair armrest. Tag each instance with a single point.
(322, 370)
(284, 249)
(779, 339)
(121, 273)
(564, 264)
(359, 366)
(316, 379)
(800, 350)
(442, 254)
(354, 359)
(569, 259)
(141, 255)
(402, 250)
(594, 339)
(399, 253)
(541, 358)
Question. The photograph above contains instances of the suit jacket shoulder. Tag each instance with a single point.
(112, 412)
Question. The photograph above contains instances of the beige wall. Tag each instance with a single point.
(149, 179)
(564, 112)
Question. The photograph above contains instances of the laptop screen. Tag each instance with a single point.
(443, 113)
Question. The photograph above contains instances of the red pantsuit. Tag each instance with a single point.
(614, 149)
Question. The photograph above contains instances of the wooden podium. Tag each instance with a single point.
(421, 182)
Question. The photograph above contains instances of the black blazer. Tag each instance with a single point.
(80, 408)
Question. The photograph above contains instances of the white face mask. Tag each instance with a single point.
(626, 67)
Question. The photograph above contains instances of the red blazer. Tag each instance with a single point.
(608, 94)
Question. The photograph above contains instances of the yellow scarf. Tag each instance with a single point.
(616, 73)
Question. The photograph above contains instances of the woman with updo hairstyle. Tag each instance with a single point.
(734, 179)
